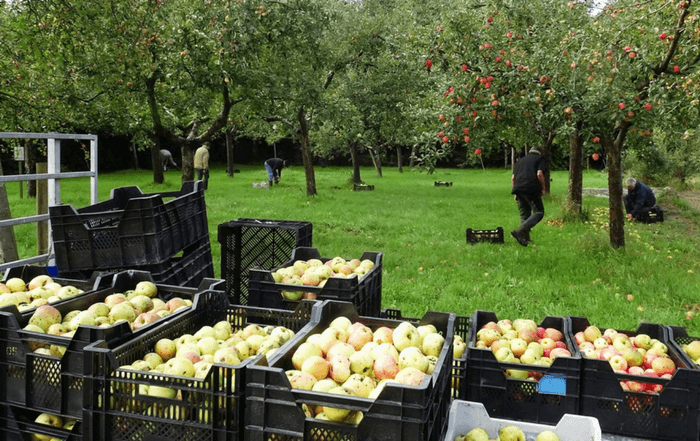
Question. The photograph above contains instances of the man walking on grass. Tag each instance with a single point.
(528, 187)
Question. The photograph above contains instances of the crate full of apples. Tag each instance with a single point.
(309, 276)
(44, 350)
(184, 379)
(636, 383)
(28, 287)
(469, 421)
(521, 369)
(19, 424)
(345, 376)
(459, 346)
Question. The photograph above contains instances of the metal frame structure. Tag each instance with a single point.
(53, 176)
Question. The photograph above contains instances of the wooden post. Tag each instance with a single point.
(42, 207)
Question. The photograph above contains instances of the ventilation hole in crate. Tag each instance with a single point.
(684, 340)
(671, 412)
(79, 246)
(551, 400)
(520, 392)
(639, 403)
(104, 239)
(16, 372)
(323, 434)
(491, 394)
(608, 405)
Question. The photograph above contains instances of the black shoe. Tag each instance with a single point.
(520, 237)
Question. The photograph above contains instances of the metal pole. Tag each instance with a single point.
(54, 166)
(42, 207)
(93, 168)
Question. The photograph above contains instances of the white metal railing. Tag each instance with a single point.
(54, 177)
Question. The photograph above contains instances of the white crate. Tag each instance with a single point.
(466, 415)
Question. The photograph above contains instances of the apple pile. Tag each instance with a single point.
(138, 307)
(522, 341)
(41, 290)
(509, 432)
(350, 359)
(692, 350)
(314, 272)
(54, 421)
(634, 355)
(192, 355)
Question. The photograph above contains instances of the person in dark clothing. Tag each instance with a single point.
(528, 187)
(639, 200)
(274, 168)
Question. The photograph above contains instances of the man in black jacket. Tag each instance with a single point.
(528, 187)
(274, 168)
(639, 200)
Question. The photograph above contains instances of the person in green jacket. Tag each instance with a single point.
(201, 163)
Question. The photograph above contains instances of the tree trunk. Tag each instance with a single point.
(505, 156)
(399, 159)
(512, 158)
(136, 156)
(355, 163)
(303, 136)
(413, 157)
(157, 162)
(187, 162)
(616, 205)
(230, 135)
(375, 160)
(8, 244)
(547, 154)
(30, 159)
(575, 196)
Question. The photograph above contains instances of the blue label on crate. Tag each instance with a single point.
(52, 271)
(552, 384)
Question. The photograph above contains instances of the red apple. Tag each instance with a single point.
(595, 156)
(648, 106)
(621, 106)
(662, 36)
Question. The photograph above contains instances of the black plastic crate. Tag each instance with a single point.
(189, 269)
(362, 187)
(524, 400)
(365, 293)
(129, 229)
(443, 184)
(489, 236)
(28, 272)
(52, 384)
(672, 414)
(260, 243)
(459, 365)
(677, 337)
(653, 216)
(400, 413)
(210, 408)
(18, 424)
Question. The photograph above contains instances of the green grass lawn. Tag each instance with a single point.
(569, 269)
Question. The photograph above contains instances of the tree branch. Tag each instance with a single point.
(279, 119)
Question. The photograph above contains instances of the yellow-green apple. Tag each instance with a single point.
(537, 347)
(49, 420)
(205, 331)
(8, 299)
(122, 311)
(458, 348)
(334, 413)
(505, 325)
(488, 336)
(166, 348)
(208, 345)
(324, 385)
(521, 323)
(405, 335)
(383, 334)
(57, 351)
(547, 435)
(68, 423)
(432, 344)
(38, 281)
(255, 342)
(383, 349)
(45, 316)
(141, 304)
(361, 362)
(153, 359)
(303, 380)
(316, 366)
(366, 263)
(413, 357)
(38, 302)
(146, 288)
(621, 342)
(693, 349)
(386, 366)
(663, 365)
(409, 376)
(67, 292)
(244, 349)
(633, 357)
(4, 289)
(498, 344)
(591, 333)
(227, 355)
(518, 346)
(530, 356)
(340, 348)
(609, 334)
(618, 363)
(57, 329)
(340, 322)
(41, 293)
(600, 343)
(304, 351)
(360, 337)
(99, 309)
(53, 286)
(113, 299)
(161, 391)
(16, 284)
(517, 374)
(339, 368)
(185, 339)
(424, 330)
(504, 355)
(369, 347)
(511, 433)
(360, 385)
